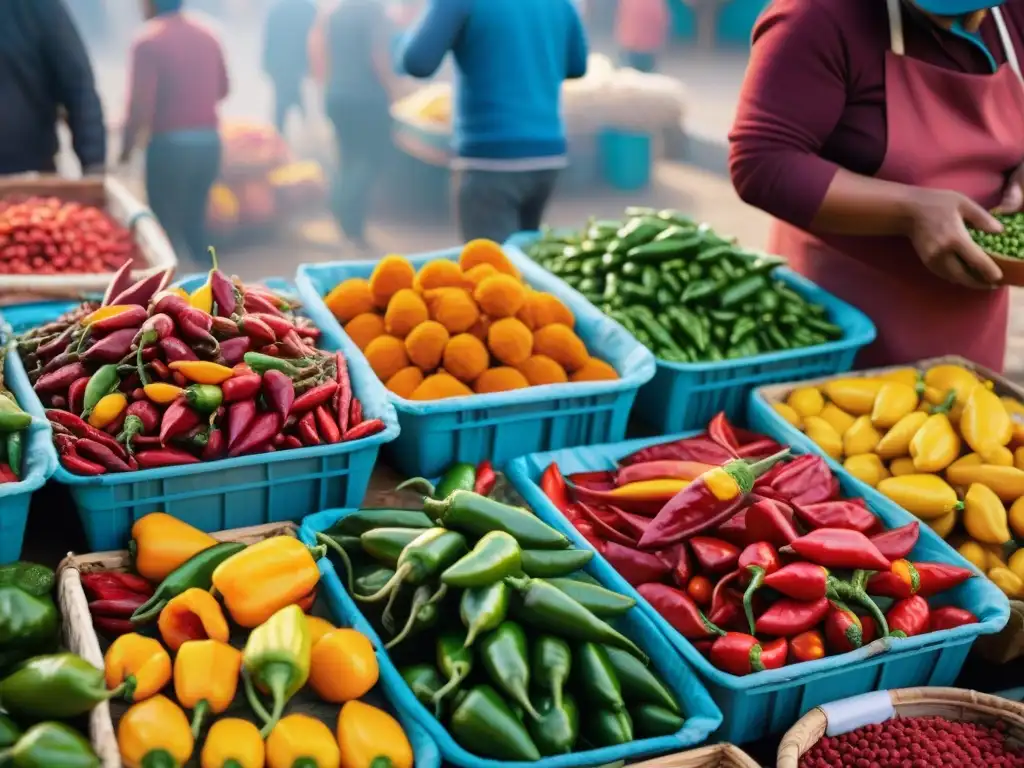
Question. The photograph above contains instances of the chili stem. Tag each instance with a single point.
(762, 466)
(386, 590)
(417, 485)
(254, 701)
(198, 715)
(346, 561)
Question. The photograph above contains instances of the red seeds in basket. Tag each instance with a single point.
(918, 742)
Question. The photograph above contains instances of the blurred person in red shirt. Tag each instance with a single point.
(177, 78)
(641, 30)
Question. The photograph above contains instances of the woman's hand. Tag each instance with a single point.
(938, 231)
(1013, 197)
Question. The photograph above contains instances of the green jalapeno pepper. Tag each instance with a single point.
(595, 680)
(385, 545)
(455, 660)
(550, 665)
(483, 609)
(557, 729)
(602, 602)
(638, 683)
(484, 724)
(650, 720)
(551, 563)
(494, 557)
(427, 555)
(365, 520)
(478, 515)
(504, 657)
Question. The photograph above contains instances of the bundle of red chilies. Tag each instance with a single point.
(752, 555)
(154, 377)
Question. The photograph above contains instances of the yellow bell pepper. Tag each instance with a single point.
(790, 415)
(1016, 563)
(1006, 482)
(1000, 456)
(106, 411)
(866, 467)
(367, 734)
(206, 678)
(160, 543)
(936, 444)
(1015, 518)
(299, 740)
(853, 395)
(265, 577)
(861, 437)
(902, 466)
(894, 401)
(985, 424)
(162, 393)
(896, 442)
(975, 554)
(944, 378)
(985, 516)
(1009, 582)
(195, 614)
(139, 663)
(807, 401)
(155, 732)
(276, 658)
(1018, 457)
(837, 417)
(909, 376)
(926, 496)
(201, 371)
(1015, 410)
(967, 460)
(944, 525)
(104, 313)
(318, 628)
(824, 436)
(233, 743)
(343, 666)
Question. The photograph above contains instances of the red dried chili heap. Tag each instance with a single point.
(755, 560)
(917, 742)
(155, 378)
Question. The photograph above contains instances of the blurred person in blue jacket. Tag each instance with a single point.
(285, 54)
(511, 57)
(45, 73)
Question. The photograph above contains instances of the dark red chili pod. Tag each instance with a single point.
(842, 513)
(843, 629)
(307, 430)
(279, 392)
(101, 454)
(950, 617)
(679, 610)
(142, 291)
(243, 387)
(258, 435)
(364, 429)
(279, 325)
(240, 416)
(224, 328)
(112, 348)
(311, 398)
(326, 425)
(715, 556)
(258, 304)
(76, 394)
(788, 617)
(232, 351)
(216, 445)
(130, 319)
(120, 280)
(60, 379)
(164, 457)
(177, 420)
(634, 566)
(79, 466)
(161, 324)
(225, 297)
(909, 617)
(175, 350)
(148, 414)
(258, 331)
(355, 414)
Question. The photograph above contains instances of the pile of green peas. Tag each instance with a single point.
(1009, 242)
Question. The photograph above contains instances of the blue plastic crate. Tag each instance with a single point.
(769, 702)
(230, 493)
(684, 396)
(702, 716)
(504, 425)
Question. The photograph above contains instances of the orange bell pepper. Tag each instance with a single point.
(193, 615)
(318, 628)
(160, 543)
(154, 733)
(233, 743)
(343, 666)
(368, 735)
(206, 678)
(140, 663)
(299, 740)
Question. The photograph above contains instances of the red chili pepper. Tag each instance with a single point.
(659, 470)
(805, 480)
(701, 448)
(355, 414)
(760, 448)
(307, 429)
(279, 325)
(80, 428)
(599, 480)
(75, 463)
(869, 629)
(7, 474)
(807, 646)
(839, 548)
(905, 579)
(164, 457)
(897, 542)
(633, 524)
(260, 333)
(553, 485)
(699, 589)
(141, 291)
(326, 425)
(735, 529)
(950, 617)
(727, 610)
(258, 303)
(771, 521)
(800, 581)
(111, 627)
(788, 617)
(175, 349)
(240, 416)
(740, 654)
(705, 503)
(682, 566)
(241, 387)
(60, 379)
(76, 394)
(291, 441)
(843, 513)
(364, 429)
(634, 566)
(908, 617)
(313, 397)
(486, 478)
(648, 507)
(101, 454)
(679, 610)
(714, 556)
(146, 441)
(232, 351)
(843, 629)
(147, 413)
(720, 430)
(586, 530)
(104, 585)
(343, 394)
(216, 445)
(279, 393)
(260, 432)
(117, 607)
(178, 419)
(756, 562)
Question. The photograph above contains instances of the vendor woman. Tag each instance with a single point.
(876, 132)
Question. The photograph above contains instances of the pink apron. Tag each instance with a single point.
(946, 130)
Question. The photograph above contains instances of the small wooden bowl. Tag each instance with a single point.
(1013, 269)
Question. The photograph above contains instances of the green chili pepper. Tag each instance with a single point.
(485, 725)
(48, 745)
(457, 476)
(12, 417)
(423, 613)
(650, 720)
(365, 520)
(477, 515)
(455, 660)
(690, 324)
(28, 623)
(595, 680)
(205, 398)
(551, 563)
(424, 680)
(427, 555)
(778, 339)
(550, 665)
(699, 289)
(599, 601)
(830, 330)
(101, 384)
(677, 217)
(639, 684)
(15, 443)
(742, 329)
(607, 729)
(371, 578)
(9, 731)
(556, 731)
(483, 609)
(548, 608)
(131, 428)
(37, 580)
(714, 252)
(58, 686)
(262, 363)
(494, 557)
(640, 230)
(660, 250)
(197, 572)
(739, 292)
(385, 545)
(504, 657)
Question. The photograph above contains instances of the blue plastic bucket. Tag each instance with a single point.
(769, 702)
(626, 159)
(702, 716)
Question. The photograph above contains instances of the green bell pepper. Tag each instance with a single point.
(27, 623)
(58, 686)
(37, 580)
(50, 745)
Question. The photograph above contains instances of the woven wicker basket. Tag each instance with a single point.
(951, 703)
(80, 637)
(1008, 644)
(715, 756)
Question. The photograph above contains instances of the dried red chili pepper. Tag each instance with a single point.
(634, 566)
(714, 556)
(699, 589)
(705, 503)
(843, 629)
(661, 470)
(851, 514)
(908, 617)
(807, 646)
(904, 579)
(741, 654)
(898, 542)
(486, 478)
(102, 585)
(950, 617)
(700, 448)
(679, 610)
(800, 581)
(682, 567)
(768, 520)
(735, 529)
(603, 528)
(553, 485)
(364, 429)
(788, 617)
(839, 548)
(806, 480)
(720, 430)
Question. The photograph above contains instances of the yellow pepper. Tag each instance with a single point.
(1009, 582)
(807, 401)
(975, 554)
(1015, 410)
(160, 543)
(1016, 563)
(155, 732)
(837, 417)
(789, 414)
(233, 743)
(936, 444)
(649, 490)
(926, 496)
(902, 466)
(202, 297)
(276, 658)
(1006, 482)
(367, 734)
(202, 372)
(866, 467)
(177, 290)
(985, 516)
(853, 395)
(967, 460)
(909, 376)
(1018, 457)
(140, 663)
(318, 628)
(195, 614)
(206, 678)
(106, 411)
(824, 436)
(299, 740)
(267, 576)
(162, 393)
(343, 666)
(105, 313)
(861, 437)
(1016, 518)
(944, 378)
(894, 401)
(985, 424)
(944, 525)
(896, 442)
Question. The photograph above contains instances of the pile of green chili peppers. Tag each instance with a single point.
(497, 629)
(1009, 242)
(685, 292)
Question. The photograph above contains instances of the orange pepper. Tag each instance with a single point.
(807, 646)
(140, 663)
(195, 614)
(343, 666)
(104, 313)
(233, 743)
(160, 543)
(318, 628)
(162, 393)
(206, 678)
(202, 372)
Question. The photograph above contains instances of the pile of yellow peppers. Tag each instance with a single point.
(260, 594)
(940, 443)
